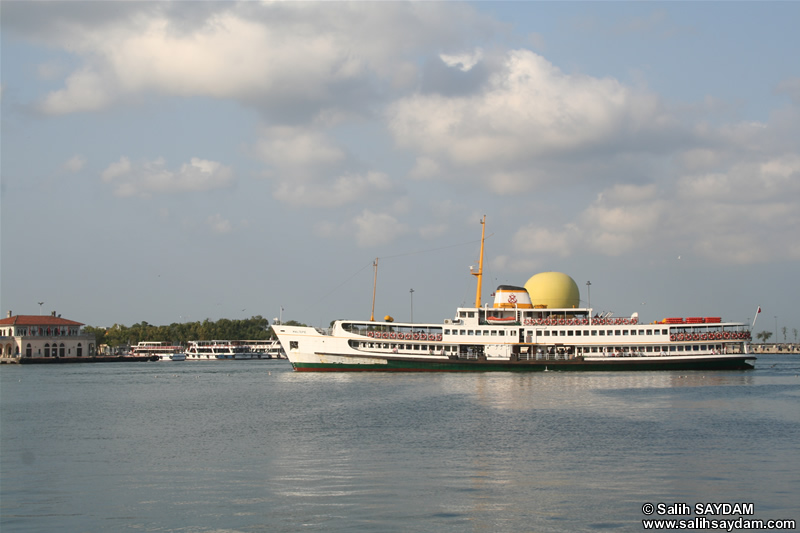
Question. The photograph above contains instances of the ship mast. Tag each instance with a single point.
(479, 273)
(374, 285)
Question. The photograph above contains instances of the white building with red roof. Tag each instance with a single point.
(35, 336)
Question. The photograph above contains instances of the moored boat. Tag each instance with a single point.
(540, 326)
(223, 349)
(158, 351)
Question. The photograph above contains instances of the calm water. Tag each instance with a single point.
(252, 446)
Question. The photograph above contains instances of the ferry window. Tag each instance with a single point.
(649, 331)
(502, 332)
(569, 333)
(494, 332)
(463, 332)
(633, 332)
(672, 348)
(649, 349)
(578, 333)
(609, 332)
(562, 333)
(470, 314)
(470, 332)
(616, 332)
(602, 332)
(594, 333)
(624, 331)
(293, 345)
(478, 332)
(547, 333)
(641, 332)
(447, 332)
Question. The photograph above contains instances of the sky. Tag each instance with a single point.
(181, 161)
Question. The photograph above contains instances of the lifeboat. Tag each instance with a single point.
(501, 320)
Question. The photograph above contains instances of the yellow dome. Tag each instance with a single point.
(554, 290)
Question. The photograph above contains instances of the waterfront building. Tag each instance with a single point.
(43, 336)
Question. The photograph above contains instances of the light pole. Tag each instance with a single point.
(411, 292)
(589, 294)
(776, 329)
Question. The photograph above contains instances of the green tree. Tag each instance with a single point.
(254, 328)
(764, 336)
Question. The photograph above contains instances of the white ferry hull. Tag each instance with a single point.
(309, 350)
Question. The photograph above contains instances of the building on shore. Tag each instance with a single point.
(43, 336)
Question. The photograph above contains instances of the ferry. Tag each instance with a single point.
(158, 351)
(269, 347)
(537, 327)
(222, 349)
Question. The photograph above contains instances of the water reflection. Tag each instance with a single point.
(253, 447)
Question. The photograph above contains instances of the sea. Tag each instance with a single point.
(245, 446)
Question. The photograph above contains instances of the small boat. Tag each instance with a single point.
(538, 327)
(501, 320)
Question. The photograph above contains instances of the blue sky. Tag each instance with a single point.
(172, 162)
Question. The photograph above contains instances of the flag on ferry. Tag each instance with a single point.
(759, 309)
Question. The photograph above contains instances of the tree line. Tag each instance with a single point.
(764, 336)
(253, 328)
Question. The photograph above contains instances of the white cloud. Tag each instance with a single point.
(746, 214)
(152, 177)
(309, 170)
(74, 163)
(346, 189)
(529, 109)
(219, 225)
(290, 149)
(374, 229)
(291, 59)
(624, 218)
(790, 87)
(535, 240)
(116, 170)
(424, 168)
(464, 62)
(85, 90)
